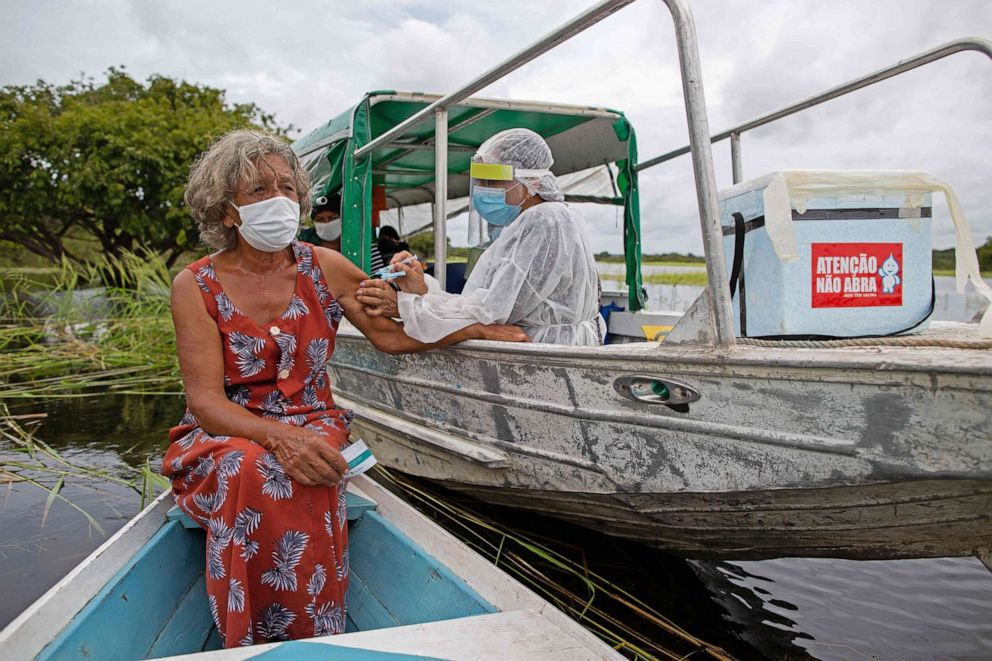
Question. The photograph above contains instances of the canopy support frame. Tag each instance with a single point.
(440, 195)
(720, 330)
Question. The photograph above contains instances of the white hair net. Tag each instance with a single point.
(524, 150)
(540, 274)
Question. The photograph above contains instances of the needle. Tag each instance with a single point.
(387, 273)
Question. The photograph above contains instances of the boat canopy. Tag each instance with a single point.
(590, 146)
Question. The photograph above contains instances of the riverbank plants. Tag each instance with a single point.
(26, 459)
(77, 330)
(561, 575)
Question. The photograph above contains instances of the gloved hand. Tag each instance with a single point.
(413, 282)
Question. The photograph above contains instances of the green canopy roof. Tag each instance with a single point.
(580, 138)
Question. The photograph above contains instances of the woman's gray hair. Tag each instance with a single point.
(232, 161)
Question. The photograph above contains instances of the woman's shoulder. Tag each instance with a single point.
(205, 262)
(333, 264)
(200, 274)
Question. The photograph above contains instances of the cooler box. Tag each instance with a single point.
(829, 254)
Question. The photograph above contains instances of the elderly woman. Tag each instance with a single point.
(256, 459)
(539, 273)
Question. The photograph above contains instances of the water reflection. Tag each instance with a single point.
(783, 609)
(844, 609)
(110, 433)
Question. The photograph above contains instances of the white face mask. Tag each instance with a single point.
(269, 225)
(330, 231)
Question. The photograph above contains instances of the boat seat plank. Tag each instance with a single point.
(143, 594)
(176, 514)
(299, 650)
(357, 505)
(397, 572)
(188, 629)
(518, 635)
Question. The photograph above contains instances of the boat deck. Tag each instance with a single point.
(414, 590)
(522, 635)
(943, 344)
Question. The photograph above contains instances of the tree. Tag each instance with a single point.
(110, 160)
(422, 244)
(985, 257)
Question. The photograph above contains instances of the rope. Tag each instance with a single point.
(869, 342)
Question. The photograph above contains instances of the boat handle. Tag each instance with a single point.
(657, 390)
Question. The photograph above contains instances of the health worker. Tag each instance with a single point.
(538, 273)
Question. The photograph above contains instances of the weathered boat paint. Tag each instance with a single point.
(783, 454)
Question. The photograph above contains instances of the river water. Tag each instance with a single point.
(787, 608)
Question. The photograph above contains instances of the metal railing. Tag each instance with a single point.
(721, 329)
(979, 44)
(439, 111)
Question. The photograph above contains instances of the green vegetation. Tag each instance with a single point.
(27, 459)
(621, 619)
(89, 170)
(943, 260)
(422, 244)
(62, 335)
(667, 258)
(691, 278)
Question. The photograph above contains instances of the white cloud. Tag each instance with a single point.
(308, 61)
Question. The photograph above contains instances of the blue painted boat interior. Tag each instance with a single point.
(156, 605)
(299, 650)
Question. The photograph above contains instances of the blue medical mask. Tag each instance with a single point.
(492, 206)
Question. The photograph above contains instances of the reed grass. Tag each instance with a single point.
(88, 329)
(26, 459)
(554, 575)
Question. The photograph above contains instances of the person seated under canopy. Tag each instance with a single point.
(326, 230)
(539, 272)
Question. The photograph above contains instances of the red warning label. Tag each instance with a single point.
(854, 275)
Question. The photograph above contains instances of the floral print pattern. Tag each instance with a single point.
(277, 551)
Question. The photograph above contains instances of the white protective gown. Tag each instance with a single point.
(540, 274)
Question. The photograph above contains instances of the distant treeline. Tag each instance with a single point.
(943, 260)
(653, 257)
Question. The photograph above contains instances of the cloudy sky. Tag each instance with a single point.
(307, 61)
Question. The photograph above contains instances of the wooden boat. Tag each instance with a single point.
(704, 444)
(414, 590)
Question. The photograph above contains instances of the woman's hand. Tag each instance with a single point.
(385, 334)
(413, 282)
(378, 298)
(306, 456)
(504, 333)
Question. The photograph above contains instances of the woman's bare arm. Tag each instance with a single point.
(386, 335)
(301, 452)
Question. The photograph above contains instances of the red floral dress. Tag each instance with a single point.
(277, 551)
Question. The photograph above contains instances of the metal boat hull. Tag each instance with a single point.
(858, 453)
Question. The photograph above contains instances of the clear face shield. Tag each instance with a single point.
(494, 198)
